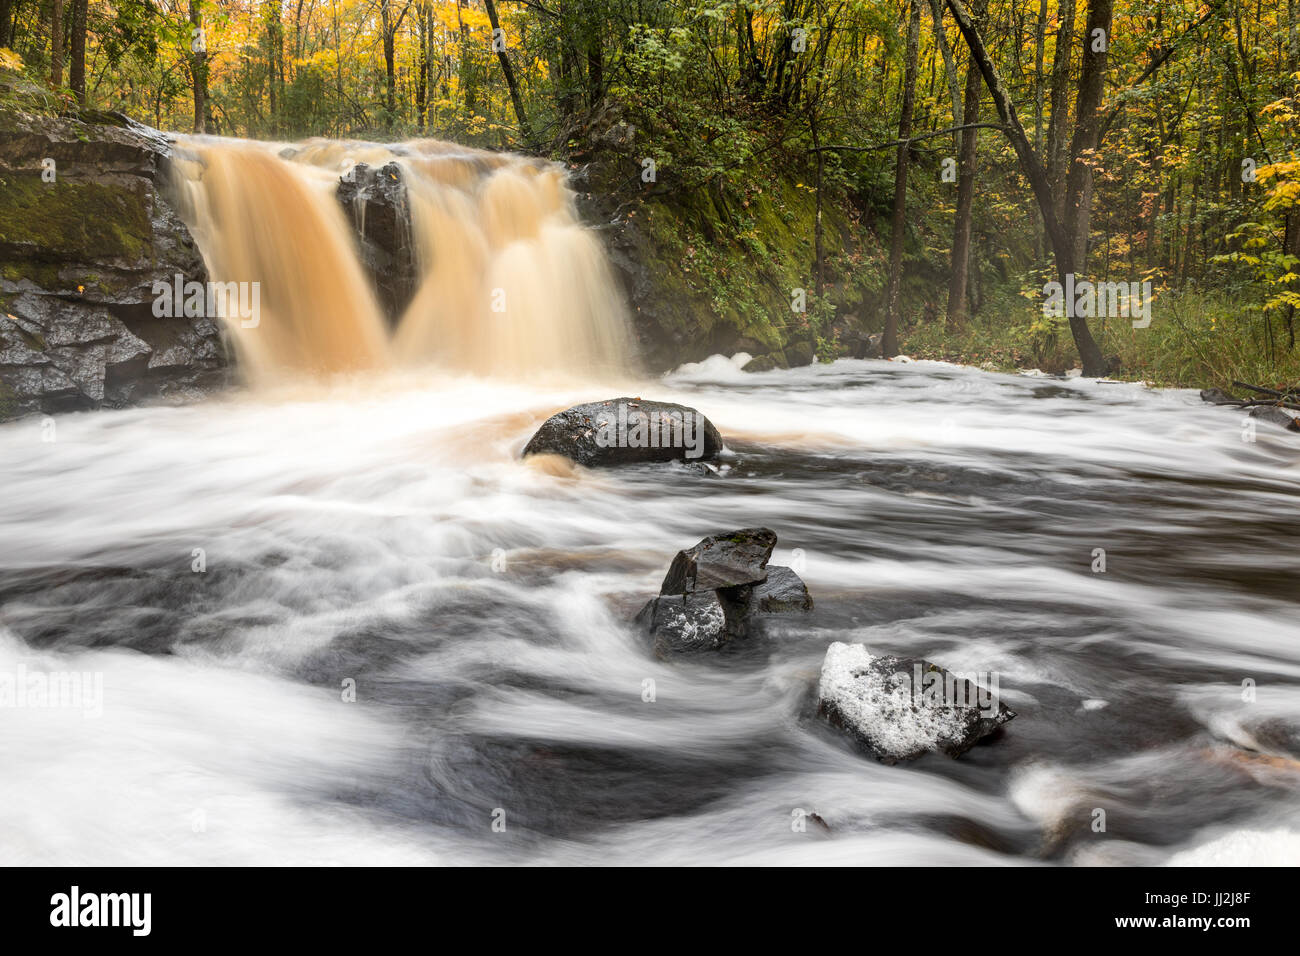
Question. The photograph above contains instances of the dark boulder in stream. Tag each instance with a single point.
(901, 708)
(375, 201)
(721, 561)
(714, 591)
(782, 591)
(684, 623)
(1276, 415)
(626, 431)
(1217, 396)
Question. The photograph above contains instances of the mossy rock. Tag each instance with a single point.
(73, 220)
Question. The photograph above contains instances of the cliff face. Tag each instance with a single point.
(85, 233)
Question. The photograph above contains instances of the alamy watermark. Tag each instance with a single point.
(632, 427)
(211, 300)
(132, 911)
(938, 688)
(1083, 298)
(53, 690)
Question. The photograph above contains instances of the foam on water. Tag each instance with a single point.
(381, 529)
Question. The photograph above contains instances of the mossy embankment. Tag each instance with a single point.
(88, 220)
(729, 263)
(86, 233)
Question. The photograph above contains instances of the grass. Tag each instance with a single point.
(1196, 339)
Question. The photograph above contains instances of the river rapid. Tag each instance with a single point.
(238, 570)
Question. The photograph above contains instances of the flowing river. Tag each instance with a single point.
(332, 617)
(381, 533)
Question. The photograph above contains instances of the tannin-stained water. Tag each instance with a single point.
(380, 532)
(510, 281)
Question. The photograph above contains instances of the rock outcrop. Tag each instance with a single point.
(86, 238)
(714, 591)
(626, 431)
(376, 203)
(900, 708)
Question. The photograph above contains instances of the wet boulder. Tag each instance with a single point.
(901, 708)
(1217, 396)
(1274, 414)
(627, 431)
(376, 203)
(726, 578)
(683, 623)
(728, 560)
(781, 592)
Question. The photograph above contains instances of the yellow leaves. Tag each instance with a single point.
(1283, 196)
(324, 59)
(1285, 191)
(1280, 110)
(9, 60)
(1284, 170)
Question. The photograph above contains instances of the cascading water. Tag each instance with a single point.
(511, 282)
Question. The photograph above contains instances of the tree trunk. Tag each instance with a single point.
(198, 69)
(1040, 44)
(949, 67)
(898, 222)
(1058, 124)
(429, 71)
(56, 44)
(467, 78)
(77, 68)
(390, 66)
(1089, 354)
(1040, 50)
(525, 130)
(422, 73)
(338, 66)
(1078, 182)
(957, 309)
(275, 59)
(6, 23)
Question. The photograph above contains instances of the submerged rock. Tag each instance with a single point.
(626, 431)
(900, 708)
(1217, 396)
(684, 623)
(1271, 413)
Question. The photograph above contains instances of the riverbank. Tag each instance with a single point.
(1195, 340)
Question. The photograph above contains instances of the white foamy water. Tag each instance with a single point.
(382, 531)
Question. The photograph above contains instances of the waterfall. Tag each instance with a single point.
(510, 282)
